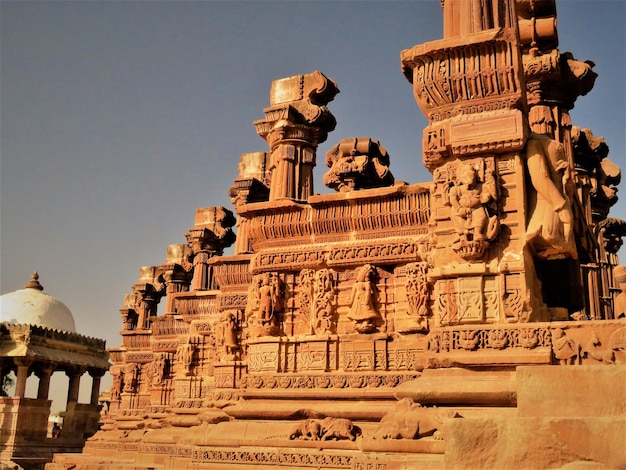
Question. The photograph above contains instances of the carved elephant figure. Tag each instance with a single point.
(339, 429)
(310, 429)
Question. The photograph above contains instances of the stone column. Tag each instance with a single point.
(208, 237)
(471, 88)
(172, 276)
(147, 296)
(296, 122)
(44, 374)
(96, 376)
(23, 371)
(74, 385)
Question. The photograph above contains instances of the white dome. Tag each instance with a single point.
(32, 306)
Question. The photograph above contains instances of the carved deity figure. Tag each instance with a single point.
(159, 369)
(131, 377)
(227, 336)
(265, 300)
(363, 311)
(469, 197)
(185, 354)
(550, 227)
(305, 297)
(117, 387)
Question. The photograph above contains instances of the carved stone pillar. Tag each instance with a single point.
(208, 238)
(471, 88)
(96, 376)
(74, 384)
(172, 277)
(23, 371)
(464, 17)
(147, 294)
(296, 122)
(44, 373)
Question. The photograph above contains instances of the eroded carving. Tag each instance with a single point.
(357, 163)
(363, 310)
(265, 301)
(550, 226)
(472, 197)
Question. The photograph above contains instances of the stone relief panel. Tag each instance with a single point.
(418, 290)
(550, 227)
(473, 199)
(316, 296)
(364, 301)
(266, 297)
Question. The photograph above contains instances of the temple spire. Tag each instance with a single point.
(34, 282)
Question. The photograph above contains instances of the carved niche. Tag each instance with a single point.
(363, 302)
(266, 297)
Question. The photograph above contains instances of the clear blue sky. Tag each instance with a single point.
(118, 119)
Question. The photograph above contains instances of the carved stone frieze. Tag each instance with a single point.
(339, 255)
(334, 381)
(480, 68)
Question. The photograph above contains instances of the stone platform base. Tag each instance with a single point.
(564, 417)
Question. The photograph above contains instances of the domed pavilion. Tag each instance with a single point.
(38, 338)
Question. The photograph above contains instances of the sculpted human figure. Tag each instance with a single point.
(227, 336)
(550, 227)
(566, 350)
(131, 377)
(185, 355)
(118, 386)
(363, 311)
(266, 301)
(469, 197)
(158, 369)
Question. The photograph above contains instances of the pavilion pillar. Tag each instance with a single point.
(74, 385)
(44, 374)
(96, 376)
(23, 371)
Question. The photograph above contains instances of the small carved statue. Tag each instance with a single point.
(409, 420)
(227, 336)
(469, 197)
(265, 301)
(185, 354)
(159, 369)
(363, 311)
(117, 387)
(131, 377)
(326, 429)
(550, 227)
(566, 350)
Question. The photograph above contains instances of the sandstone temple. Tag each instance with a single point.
(476, 320)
